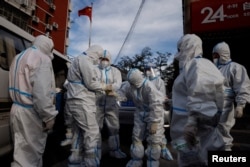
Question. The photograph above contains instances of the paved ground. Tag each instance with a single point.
(106, 161)
(56, 156)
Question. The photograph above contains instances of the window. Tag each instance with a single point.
(47, 19)
(10, 46)
(49, 1)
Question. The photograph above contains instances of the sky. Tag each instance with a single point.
(159, 26)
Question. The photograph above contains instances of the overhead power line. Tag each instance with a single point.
(130, 30)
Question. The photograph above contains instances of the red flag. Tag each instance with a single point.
(86, 11)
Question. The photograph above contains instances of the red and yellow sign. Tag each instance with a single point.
(210, 15)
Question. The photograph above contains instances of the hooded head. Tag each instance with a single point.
(105, 59)
(135, 77)
(221, 53)
(94, 52)
(44, 44)
(189, 46)
(150, 71)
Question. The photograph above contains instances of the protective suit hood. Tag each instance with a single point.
(106, 55)
(44, 44)
(189, 46)
(223, 50)
(94, 52)
(135, 78)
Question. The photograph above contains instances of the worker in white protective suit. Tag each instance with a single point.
(81, 101)
(32, 90)
(107, 105)
(197, 104)
(237, 90)
(147, 119)
(68, 120)
(150, 73)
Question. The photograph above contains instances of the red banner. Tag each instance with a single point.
(86, 11)
(210, 15)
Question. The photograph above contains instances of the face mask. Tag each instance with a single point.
(156, 73)
(148, 73)
(104, 64)
(216, 61)
(136, 85)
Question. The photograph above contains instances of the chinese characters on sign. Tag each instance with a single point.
(218, 15)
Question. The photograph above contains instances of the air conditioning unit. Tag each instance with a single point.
(55, 25)
(67, 42)
(24, 3)
(35, 19)
(49, 27)
(52, 6)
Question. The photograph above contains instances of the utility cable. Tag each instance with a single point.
(131, 30)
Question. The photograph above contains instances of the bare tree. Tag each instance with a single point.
(160, 60)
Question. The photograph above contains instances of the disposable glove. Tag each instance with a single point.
(49, 125)
(107, 87)
(238, 112)
(153, 128)
(69, 137)
(111, 93)
(166, 154)
(166, 105)
(189, 134)
(121, 97)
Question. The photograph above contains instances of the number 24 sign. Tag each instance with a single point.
(219, 15)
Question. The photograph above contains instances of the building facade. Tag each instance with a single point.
(48, 17)
(223, 20)
(220, 20)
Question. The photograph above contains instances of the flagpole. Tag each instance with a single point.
(90, 25)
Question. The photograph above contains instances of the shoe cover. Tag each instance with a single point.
(66, 142)
(152, 163)
(90, 158)
(134, 163)
(75, 159)
(166, 154)
(117, 154)
(69, 137)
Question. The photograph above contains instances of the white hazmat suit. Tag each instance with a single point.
(107, 105)
(81, 102)
(32, 90)
(147, 119)
(197, 104)
(160, 86)
(237, 89)
(68, 120)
